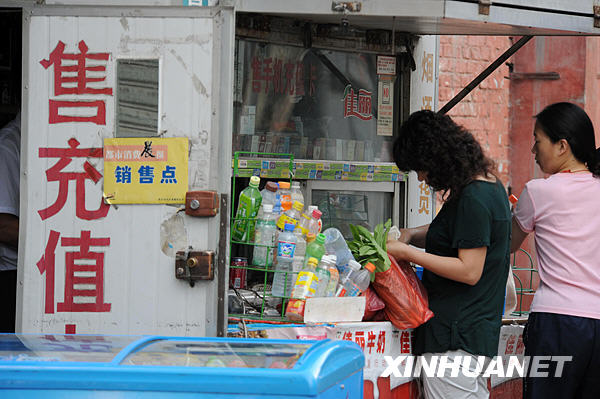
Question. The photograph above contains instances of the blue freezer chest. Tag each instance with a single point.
(101, 366)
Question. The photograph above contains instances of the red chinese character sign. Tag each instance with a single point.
(357, 103)
(76, 299)
(76, 74)
(378, 341)
(56, 174)
(73, 258)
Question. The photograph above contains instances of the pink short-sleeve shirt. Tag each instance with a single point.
(563, 211)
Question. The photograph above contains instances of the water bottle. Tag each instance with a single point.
(297, 265)
(333, 278)
(304, 287)
(323, 274)
(345, 270)
(336, 244)
(248, 206)
(297, 193)
(269, 193)
(286, 246)
(285, 195)
(300, 243)
(291, 216)
(265, 236)
(315, 249)
(359, 281)
(346, 273)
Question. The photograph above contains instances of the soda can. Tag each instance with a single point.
(237, 275)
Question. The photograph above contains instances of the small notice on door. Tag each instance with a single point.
(386, 65)
(145, 170)
(385, 106)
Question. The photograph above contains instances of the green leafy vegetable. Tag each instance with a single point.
(370, 247)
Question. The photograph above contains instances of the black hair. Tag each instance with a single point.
(434, 143)
(570, 122)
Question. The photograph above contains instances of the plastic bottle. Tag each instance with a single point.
(359, 281)
(336, 244)
(303, 224)
(346, 274)
(297, 264)
(285, 195)
(316, 249)
(277, 208)
(304, 287)
(314, 224)
(286, 246)
(323, 274)
(334, 277)
(310, 238)
(269, 193)
(300, 243)
(291, 216)
(313, 208)
(345, 270)
(265, 234)
(296, 192)
(248, 206)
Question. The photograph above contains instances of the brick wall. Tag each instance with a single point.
(485, 111)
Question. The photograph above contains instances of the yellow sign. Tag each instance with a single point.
(145, 170)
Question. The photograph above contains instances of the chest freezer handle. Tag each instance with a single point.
(134, 347)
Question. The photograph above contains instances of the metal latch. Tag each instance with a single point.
(484, 7)
(194, 265)
(346, 6)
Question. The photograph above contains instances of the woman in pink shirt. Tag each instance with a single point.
(563, 212)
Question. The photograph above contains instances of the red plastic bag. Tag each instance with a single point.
(405, 298)
(374, 304)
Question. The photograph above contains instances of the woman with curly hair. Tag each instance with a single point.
(563, 212)
(467, 250)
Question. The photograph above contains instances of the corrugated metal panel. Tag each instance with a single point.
(138, 279)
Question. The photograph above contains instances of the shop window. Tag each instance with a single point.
(315, 104)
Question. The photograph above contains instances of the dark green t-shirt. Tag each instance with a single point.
(468, 317)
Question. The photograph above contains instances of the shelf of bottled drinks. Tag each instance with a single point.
(285, 258)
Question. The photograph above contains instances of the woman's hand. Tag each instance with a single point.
(398, 249)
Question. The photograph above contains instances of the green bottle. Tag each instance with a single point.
(315, 249)
(248, 206)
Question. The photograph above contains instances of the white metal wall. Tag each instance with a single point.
(423, 95)
(138, 279)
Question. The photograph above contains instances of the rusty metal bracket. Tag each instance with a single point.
(484, 7)
(346, 6)
(597, 16)
(194, 265)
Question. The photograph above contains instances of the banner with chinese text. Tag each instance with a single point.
(145, 170)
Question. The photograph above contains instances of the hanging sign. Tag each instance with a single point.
(385, 106)
(386, 65)
(145, 170)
